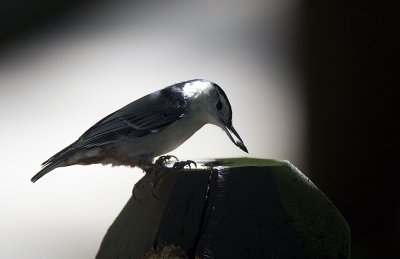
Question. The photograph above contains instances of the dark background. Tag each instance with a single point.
(344, 49)
(352, 116)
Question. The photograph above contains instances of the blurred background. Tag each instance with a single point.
(307, 81)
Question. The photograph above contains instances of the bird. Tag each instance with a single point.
(148, 127)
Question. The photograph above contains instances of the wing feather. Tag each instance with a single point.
(144, 116)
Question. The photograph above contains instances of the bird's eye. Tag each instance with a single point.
(219, 105)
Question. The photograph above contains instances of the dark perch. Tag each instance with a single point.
(245, 208)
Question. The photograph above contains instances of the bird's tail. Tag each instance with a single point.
(55, 161)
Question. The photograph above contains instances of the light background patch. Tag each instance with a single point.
(56, 85)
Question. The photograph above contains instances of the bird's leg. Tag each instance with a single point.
(167, 171)
(162, 171)
(155, 195)
(147, 168)
(137, 184)
(157, 169)
(163, 159)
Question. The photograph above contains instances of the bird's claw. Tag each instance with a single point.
(181, 164)
(163, 159)
(135, 187)
(163, 171)
(152, 185)
(134, 193)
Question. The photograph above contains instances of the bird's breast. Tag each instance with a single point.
(131, 151)
(162, 141)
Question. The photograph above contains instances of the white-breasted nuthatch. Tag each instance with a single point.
(149, 127)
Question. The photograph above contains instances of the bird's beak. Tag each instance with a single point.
(234, 136)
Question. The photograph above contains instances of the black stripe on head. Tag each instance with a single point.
(173, 94)
(221, 92)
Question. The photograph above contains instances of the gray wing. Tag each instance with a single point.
(144, 116)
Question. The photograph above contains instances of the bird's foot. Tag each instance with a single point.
(164, 171)
(157, 171)
(164, 159)
(149, 169)
(161, 171)
(155, 184)
(135, 187)
(181, 164)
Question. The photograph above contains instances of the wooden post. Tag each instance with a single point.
(242, 208)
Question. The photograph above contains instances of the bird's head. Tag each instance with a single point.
(211, 101)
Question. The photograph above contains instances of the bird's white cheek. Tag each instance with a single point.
(215, 120)
(209, 117)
